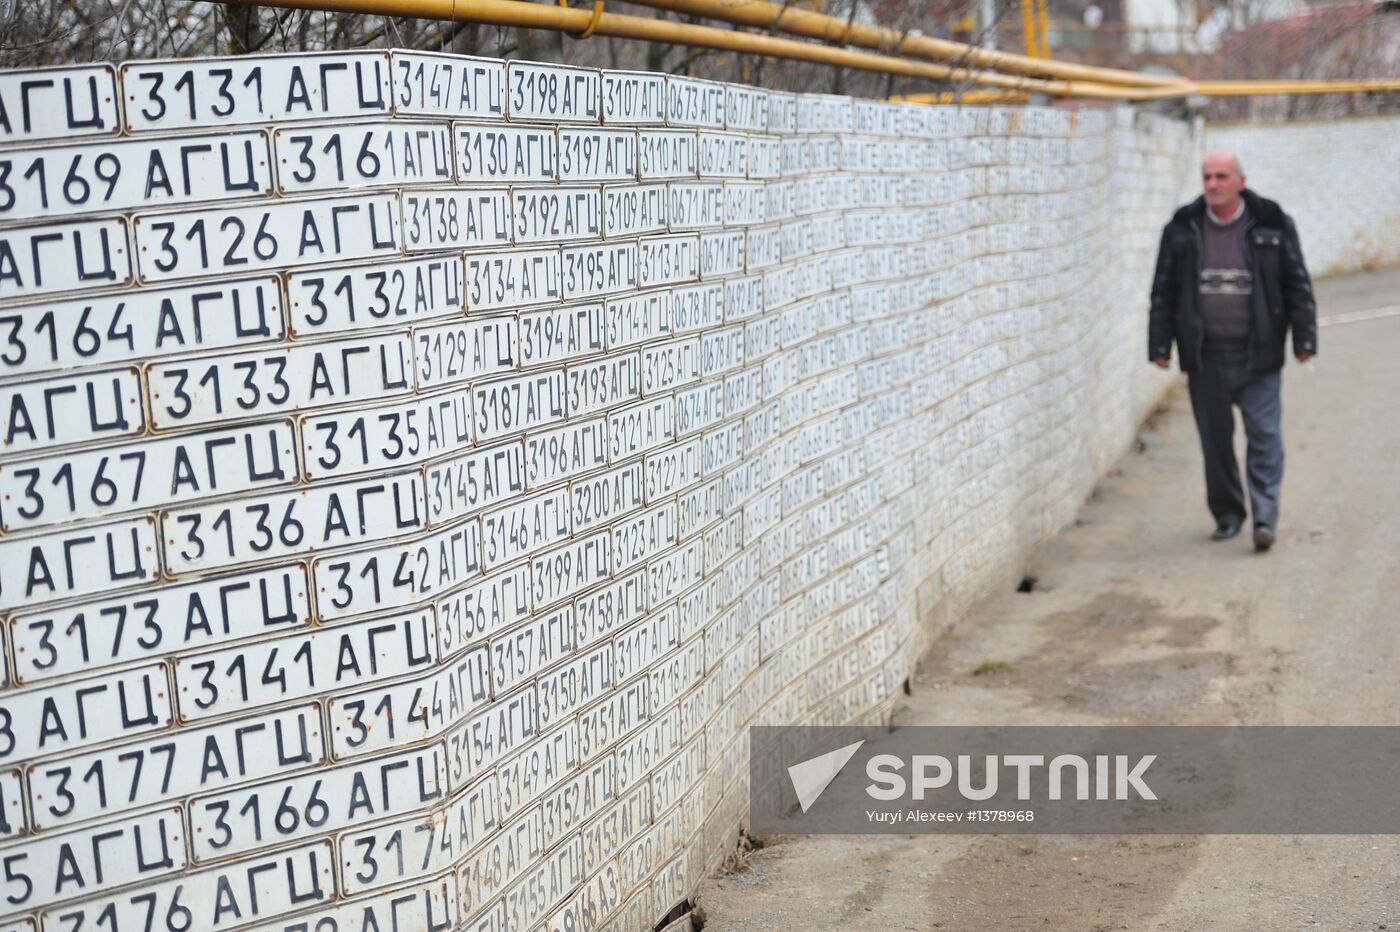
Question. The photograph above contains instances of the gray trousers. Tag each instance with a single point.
(1221, 383)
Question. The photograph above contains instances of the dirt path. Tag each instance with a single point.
(1137, 618)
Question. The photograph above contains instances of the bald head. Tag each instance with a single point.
(1222, 178)
(1226, 156)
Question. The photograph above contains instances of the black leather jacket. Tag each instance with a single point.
(1282, 290)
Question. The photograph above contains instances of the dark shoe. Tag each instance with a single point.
(1263, 538)
(1226, 529)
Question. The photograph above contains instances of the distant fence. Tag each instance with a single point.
(420, 471)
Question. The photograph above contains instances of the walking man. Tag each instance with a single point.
(1230, 281)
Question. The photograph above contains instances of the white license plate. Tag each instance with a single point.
(635, 538)
(634, 97)
(388, 577)
(243, 820)
(678, 774)
(761, 340)
(523, 527)
(553, 93)
(565, 452)
(878, 117)
(670, 364)
(671, 574)
(409, 712)
(521, 403)
(491, 735)
(114, 176)
(190, 243)
(537, 767)
(568, 570)
(507, 855)
(90, 483)
(694, 102)
(782, 112)
(617, 715)
(634, 209)
(82, 862)
(601, 498)
(57, 257)
(640, 428)
(58, 103)
(486, 152)
(636, 318)
(294, 378)
(697, 307)
(581, 797)
(640, 645)
(71, 716)
(166, 95)
(721, 351)
(555, 214)
(261, 673)
(260, 889)
(74, 409)
(723, 155)
(765, 157)
(342, 443)
(761, 247)
(560, 333)
(564, 689)
(76, 562)
(441, 219)
(474, 613)
(457, 86)
(282, 523)
(593, 154)
(668, 260)
(402, 291)
(510, 278)
(743, 391)
(522, 651)
(745, 108)
(361, 155)
(467, 483)
(105, 631)
(593, 386)
(599, 269)
(745, 203)
(448, 354)
(667, 153)
(169, 767)
(721, 254)
(137, 325)
(673, 469)
(430, 843)
(601, 613)
(695, 205)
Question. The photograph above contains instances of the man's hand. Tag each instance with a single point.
(1162, 362)
(1304, 357)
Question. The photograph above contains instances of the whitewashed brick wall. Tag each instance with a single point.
(1336, 178)
(419, 471)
